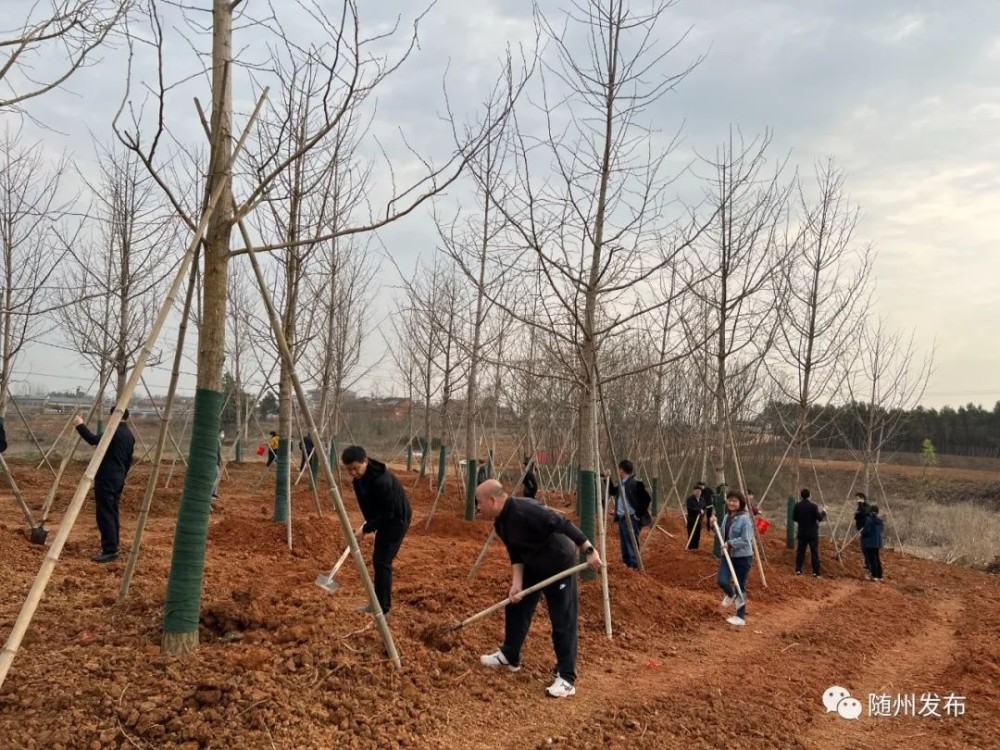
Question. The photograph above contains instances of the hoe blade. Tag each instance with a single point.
(325, 582)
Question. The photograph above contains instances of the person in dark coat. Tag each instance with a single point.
(482, 472)
(540, 543)
(808, 516)
(631, 507)
(386, 511)
(707, 501)
(860, 515)
(109, 482)
(695, 511)
(871, 543)
(529, 484)
(306, 451)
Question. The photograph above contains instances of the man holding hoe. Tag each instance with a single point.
(540, 544)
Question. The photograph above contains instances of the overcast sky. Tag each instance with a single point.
(904, 95)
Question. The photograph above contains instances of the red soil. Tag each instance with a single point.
(284, 664)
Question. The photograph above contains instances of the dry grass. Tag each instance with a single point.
(963, 533)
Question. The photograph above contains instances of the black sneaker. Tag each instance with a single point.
(798, 572)
(105, 557)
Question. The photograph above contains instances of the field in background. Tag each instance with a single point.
(950, 512)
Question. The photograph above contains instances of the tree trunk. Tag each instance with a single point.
(183, 600)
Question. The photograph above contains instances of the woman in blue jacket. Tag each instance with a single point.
(737, 533)
(871, 543)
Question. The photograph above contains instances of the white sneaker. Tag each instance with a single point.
(497, 660)
(737, 621)
(561, 688)
(727, 601)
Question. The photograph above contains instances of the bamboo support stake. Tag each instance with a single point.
(631, 531)
(306, 467)
(602, 530)
(345, 521)
(51, 496)
(159, 414)
(31, 433)
(66, 424)
(179, 453)
(161, 439)
(13, 642)
(673, 487)
(25, 510)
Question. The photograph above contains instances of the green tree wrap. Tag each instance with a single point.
(182, 608)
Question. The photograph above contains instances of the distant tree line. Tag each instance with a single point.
(969, 430)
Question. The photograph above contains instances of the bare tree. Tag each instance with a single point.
(739, 259)
(300, 203)
(824, 301)
(340, 288)
(352, 69)
(597, 226)
(240, 341)
(123, 266)
(416, 326)
(31, 205)
(60, 37)
(891, 380)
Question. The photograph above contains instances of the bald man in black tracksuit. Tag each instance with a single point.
(109, 482)
(540, 544)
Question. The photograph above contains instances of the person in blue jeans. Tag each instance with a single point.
(626, 494)
(737, 535)
(871, 543)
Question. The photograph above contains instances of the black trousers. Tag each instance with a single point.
(106, 499)
(800, 554)
(694, 524)
(873, 561)
(387, 543)
(563, 605)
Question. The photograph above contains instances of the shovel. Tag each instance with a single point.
(741, 597)
(329, 582)
(530, 590)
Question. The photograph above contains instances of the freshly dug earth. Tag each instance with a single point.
(284, 664)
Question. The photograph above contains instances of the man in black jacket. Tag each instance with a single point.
(387, 513)
(694, 514)
(540, 544)
(808, 516)
(109, 483)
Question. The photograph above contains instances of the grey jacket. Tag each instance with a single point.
(740, 534)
